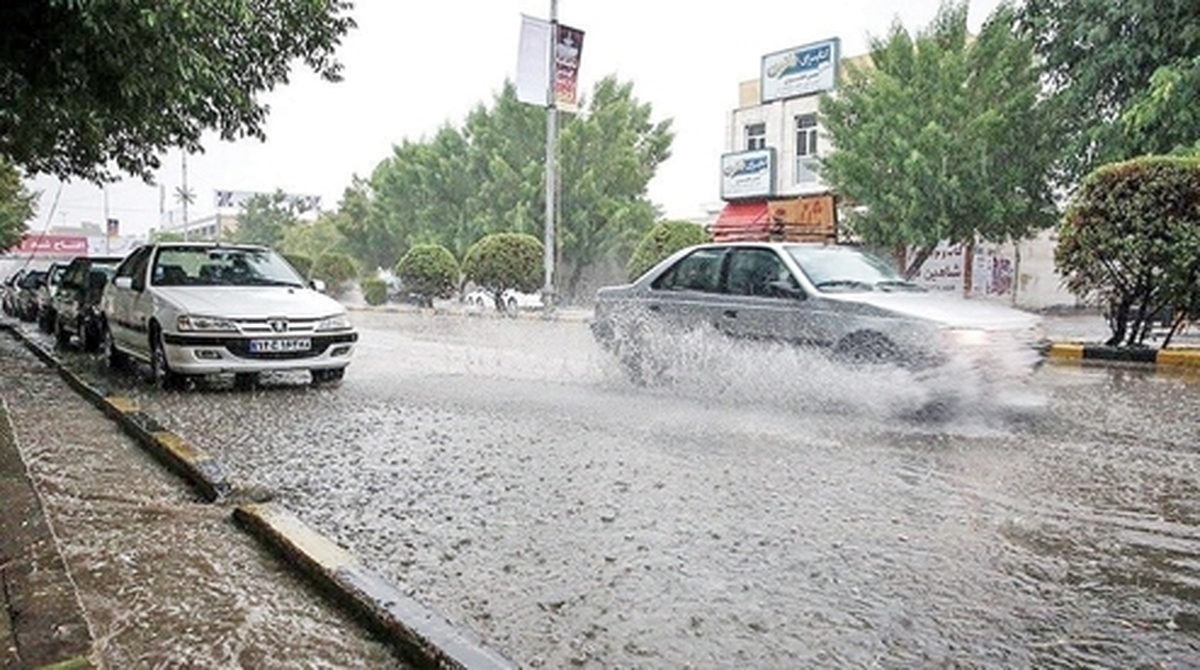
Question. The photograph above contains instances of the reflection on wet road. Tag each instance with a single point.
(765, 508)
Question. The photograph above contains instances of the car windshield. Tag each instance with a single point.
(833, 268)
(222, 266)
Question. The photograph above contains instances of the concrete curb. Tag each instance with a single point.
(567, 316)
(419, 635)
(1077, 352)
(427, 637)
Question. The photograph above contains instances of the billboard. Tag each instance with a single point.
(567, 46)
(51, 246)
(237, 200)
(748, 174)
(803, 70)
(535, 67)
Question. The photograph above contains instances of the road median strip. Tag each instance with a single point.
(1187, 358)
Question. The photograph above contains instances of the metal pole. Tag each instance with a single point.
(107, 238)
(548, 297)
(184, 198)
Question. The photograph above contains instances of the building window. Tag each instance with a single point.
(806, 148)
(756, 136)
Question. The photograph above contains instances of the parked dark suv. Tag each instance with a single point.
(77, 300)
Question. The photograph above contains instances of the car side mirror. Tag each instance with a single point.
(317, 285)
(784, 289)
(123, 282)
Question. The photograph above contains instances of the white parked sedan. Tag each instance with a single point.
(208, 308)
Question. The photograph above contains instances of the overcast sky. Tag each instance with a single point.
(411, 67)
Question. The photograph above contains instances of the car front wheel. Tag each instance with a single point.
(61, 336)
(328, 376)
(160, 369)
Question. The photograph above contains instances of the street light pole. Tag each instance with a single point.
(548, 297)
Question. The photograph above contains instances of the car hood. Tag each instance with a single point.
(246, 302)
(945, 310)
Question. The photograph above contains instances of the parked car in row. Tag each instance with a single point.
(45, 299)
(11, 288)
(76, 303)
(838, 299)
(26, 300)
(190, 309)
(511, 301)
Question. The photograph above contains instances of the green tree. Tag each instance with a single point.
(313, 239)
(265, 219)
(503, 261)
(608, 158)
(428, 270)
(1130, 240)
(1125, 76)
(374, 290)
(664, 239)
(103, 83)
(489, 177)
(941, 137)
(302, 263)
(16, 206)
(336, 269)
(364, 234)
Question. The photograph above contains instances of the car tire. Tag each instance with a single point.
(46, 321)
(115, 357)
(161, 373)
(510, 307)
(61, 336)
(89, 338)
(245, 381)
(328, 376)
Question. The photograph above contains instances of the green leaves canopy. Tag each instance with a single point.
(940, 137)
(89, 85)
(16, 206)
(1125, 76)
(664, 239)
(1131, 241)
(503, 261)
(489, 177)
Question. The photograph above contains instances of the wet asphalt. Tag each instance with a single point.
(764, 508)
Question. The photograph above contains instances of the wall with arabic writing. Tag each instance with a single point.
(1021, 274)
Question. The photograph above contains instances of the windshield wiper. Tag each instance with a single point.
(845, 283)
(892, 284)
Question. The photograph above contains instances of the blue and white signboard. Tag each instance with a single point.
(748, 174)
(803, 70)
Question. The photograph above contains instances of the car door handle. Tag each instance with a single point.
(729, 314)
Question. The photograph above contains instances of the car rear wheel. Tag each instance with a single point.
(89, 337)
(161, 373)
(328, 376)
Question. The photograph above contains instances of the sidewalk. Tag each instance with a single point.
(108, 560)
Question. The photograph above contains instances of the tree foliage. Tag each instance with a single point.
(374, 290)
(489, 176)
(503, 261)
(312, 239)
(664, 239)
(1130, 240)
(336, 269)
(16, 206)
(265, 219)
(89, 85)
(428, 270)
(943, 137)
(1125, 76)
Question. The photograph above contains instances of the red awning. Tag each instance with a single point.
(742, 221)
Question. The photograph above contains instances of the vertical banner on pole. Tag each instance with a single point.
(568, 44)
(533, 72)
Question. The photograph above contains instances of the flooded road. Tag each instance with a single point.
(766, 508)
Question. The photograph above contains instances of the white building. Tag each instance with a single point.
(774, 140)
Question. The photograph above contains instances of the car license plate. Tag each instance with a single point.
(281, 345)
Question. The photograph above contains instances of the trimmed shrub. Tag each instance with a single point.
(335, 269)
(1130, 241)
(502, 261)
(374, 290)
(428, 270)
(662, 240)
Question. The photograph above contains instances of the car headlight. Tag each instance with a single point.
(194, 323)
(965, 337)
(339, 322)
